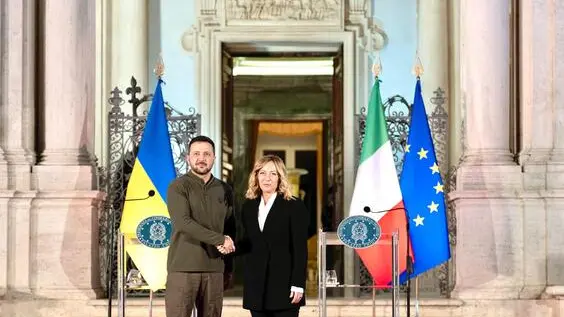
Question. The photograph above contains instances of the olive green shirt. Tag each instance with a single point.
(201, 215)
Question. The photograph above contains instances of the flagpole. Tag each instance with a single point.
(417, 71)
(376, 69)
(159, 72)
(417, 296)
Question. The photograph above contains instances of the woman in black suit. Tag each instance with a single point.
(274, 243)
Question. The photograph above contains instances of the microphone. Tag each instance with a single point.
(150, 194)
(368, 210)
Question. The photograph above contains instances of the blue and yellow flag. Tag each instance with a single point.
(423, 194)
(145, 222)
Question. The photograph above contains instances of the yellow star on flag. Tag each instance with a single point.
(422, 153)
(433, 207)
(434, 168)
(438, 188)
(418, 220)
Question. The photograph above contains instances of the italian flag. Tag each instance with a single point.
(377, 190)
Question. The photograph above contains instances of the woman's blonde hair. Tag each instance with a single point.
(284, 187)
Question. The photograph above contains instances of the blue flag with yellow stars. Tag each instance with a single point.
(423, 195)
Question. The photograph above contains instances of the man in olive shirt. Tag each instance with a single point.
(201, 210)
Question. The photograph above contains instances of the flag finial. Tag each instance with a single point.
(159, 66)
(377, 67)
(418, 66)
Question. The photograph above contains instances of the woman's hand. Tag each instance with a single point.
(296, 297)
(227, 247)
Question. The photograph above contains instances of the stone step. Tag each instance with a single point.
(340, 307)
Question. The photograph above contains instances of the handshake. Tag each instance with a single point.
(227, 247)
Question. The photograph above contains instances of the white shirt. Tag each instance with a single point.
(264, 209)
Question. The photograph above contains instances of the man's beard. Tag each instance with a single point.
(200, 170)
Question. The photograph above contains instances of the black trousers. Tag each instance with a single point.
(293, 312)
(184, 290)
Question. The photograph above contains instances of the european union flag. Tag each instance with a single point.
(423, 194)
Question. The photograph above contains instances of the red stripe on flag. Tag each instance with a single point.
(378, 258)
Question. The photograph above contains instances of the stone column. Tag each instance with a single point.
(542, 109)
(432, 46)
(17, 109)
(19, 98)
(64, 213)
(3, 105)
(432, 49)
(455, 131)
(485, 58)
(68, 91)
(537, 79)
(129, 46)
(495, 231)
(557, 155)
(553, 116)
(542, 128)
(3, 184)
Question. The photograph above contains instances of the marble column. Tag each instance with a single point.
(432, 49)
(63, 235)
(130, 46)
(67, 83)
(557, 155)
(499, 236)
(555, 177)
(3, 183)
(432, 46)
(485, 58)
(455, 131)
(542, 109)
(17, 114)
(542, 127)
(17, 132)
(554, 26)
(537, 79)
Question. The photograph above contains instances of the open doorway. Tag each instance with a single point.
(288, 101)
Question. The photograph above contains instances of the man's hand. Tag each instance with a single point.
(227, 247)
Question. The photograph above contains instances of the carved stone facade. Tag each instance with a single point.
(336, 15)
(324, 11)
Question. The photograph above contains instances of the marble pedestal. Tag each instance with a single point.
(509, 231)
(49, 245)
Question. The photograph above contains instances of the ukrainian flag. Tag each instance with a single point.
(145, 222)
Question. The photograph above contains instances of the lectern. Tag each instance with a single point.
(388, 240)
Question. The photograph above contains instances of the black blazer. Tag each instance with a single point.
(276, 258)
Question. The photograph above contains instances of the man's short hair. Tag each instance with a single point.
(201, 138)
